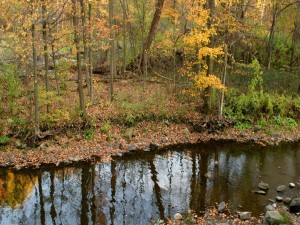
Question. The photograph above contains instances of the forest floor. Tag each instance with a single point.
(143, 117)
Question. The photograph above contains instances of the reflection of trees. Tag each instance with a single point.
(14, 187)
(113, 191)
(42, 210)
(52, 191)
(156, 189)
(84, 220)
(130, 191)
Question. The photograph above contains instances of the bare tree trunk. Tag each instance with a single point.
(112, 48)
(55, 70)
(221, 106)
(90, 72)
(84, 38)
(79, 67)
(46, 55)
(124, 37)
(174, 50)
(271, 37)
(295, 36)
(35, 83)
(153, 28)
(36, 98)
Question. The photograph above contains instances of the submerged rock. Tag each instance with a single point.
(263, 186)
(279, 199)
(287, 200)
(260, 192)
(280, 188)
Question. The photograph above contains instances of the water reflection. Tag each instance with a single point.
(134, 189)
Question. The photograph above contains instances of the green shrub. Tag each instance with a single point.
(105, 128)
(4, 140)
(10, 89)
(242, 125)
(89, 133)
(291, 123)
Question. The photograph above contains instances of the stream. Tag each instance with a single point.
(135, 188)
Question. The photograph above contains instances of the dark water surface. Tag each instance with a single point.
(133, 189)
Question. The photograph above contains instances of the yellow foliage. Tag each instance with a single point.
(212, 52)
(202, 81)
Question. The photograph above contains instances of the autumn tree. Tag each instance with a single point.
(197, 48)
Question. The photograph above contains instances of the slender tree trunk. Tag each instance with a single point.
(84, 38)
(174, 50)
(271, 37)
(35, 84)
(221, 105)
(46, 55)
(55, 70)
(41, 195)
(124, 37)
(112, 48)
(79, 67)
(91, 75)
(153, 28)
(295, 36)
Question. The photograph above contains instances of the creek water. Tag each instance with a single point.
(132, 189)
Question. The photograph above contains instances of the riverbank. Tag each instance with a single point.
(72, 146)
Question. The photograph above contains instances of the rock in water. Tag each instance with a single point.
(292, 185)
(263, 186)
(221, 207)
(279, 199)
(273, 217)
(280, 188)
(287, 200)
(269, 208)
(295, 205)
(260, 192)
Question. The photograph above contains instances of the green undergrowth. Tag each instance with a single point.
(260, 109)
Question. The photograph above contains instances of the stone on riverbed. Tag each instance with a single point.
(292, 185)
(279, 199)
(269, 208)
(260, 192)
(263, 186)
(287, 200)
(280, 188)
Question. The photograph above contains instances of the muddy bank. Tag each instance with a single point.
(72, 147)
